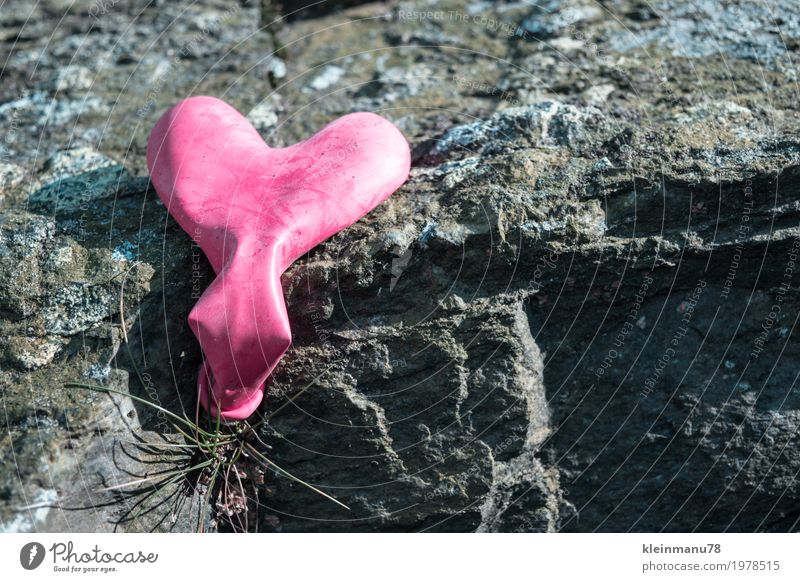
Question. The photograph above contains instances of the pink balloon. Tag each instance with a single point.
(254, 210)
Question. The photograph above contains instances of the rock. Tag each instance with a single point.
(78, 178)
(295, 9)
(30, 353)
(12, 179)
(554, 17)
(742, 30)
(577, 315)
(326, 78)
(264, 116)
(545, 124)
(72, 79)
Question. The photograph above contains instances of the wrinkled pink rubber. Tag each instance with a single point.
(254, 210)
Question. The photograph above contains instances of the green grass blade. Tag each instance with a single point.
(269, 463)
(172, 415)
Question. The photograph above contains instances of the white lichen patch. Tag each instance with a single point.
(329, 76)
(33, 353)
(61, 257)
(544, 124)
(27, 520)
(124, 252)
(263, 116)
(98, 372)
(72, 78)
(77, 307)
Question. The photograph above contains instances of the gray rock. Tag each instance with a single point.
(553, 18)
(79, 178)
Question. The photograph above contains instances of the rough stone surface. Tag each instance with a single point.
(579, 314)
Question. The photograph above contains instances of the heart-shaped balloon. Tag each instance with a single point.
(254, 210)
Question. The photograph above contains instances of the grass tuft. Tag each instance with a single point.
(212, 463)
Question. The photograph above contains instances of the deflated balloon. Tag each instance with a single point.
(254, 210)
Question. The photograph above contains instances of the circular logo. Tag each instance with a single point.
(31, 555)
